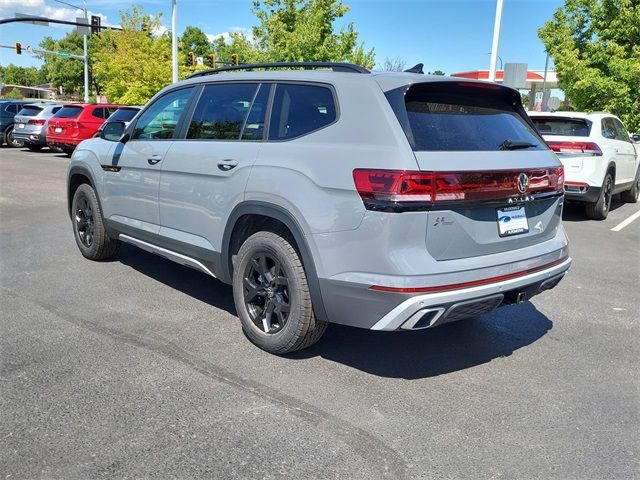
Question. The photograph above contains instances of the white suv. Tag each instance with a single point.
(599, 158)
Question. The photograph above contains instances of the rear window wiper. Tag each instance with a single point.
(511, 145)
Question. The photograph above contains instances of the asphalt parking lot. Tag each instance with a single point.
(138, 368)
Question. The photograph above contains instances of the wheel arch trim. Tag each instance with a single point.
(253, 207)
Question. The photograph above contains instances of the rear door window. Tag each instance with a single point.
(29, 111)
(221, 111)
(98, 112)
(448, 117)
(571, 127)
(69, 112)
(621, 132)
(300, 109)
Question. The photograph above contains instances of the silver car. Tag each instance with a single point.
(31, 124)
(386, 201)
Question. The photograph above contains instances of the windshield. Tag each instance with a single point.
(69, 112)
(571, 127)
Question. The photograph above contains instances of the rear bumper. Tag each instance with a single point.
(432, 309)
(34, 138)
(582, 192)
(63, 141)
(362, 306)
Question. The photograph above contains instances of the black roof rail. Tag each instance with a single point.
(335, 66)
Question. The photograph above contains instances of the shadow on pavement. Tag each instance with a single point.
(410, 355)
(574, 211)
(428, 353)
(184, 279)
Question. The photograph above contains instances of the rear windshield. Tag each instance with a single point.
(29, 111)
(445, 116)
(68, 112)
(572, 127)
(123, 115)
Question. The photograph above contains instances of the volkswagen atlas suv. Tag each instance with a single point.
(599, 157)
(386, 201)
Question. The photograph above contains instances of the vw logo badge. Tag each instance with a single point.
(523, 182)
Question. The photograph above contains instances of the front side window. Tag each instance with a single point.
(221, 111)
(621, 132)
(159, 121)
(300, 109)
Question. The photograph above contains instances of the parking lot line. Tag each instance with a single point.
(626, 222)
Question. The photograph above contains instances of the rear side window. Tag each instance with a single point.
(29, 111)
(621, 132)
(123, 115)
(300, 109)
(69, 112)
(98, 112)
(444, 116)
(609, 128)
(571, 127)
(221, 111)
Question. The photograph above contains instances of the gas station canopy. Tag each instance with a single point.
(535, 78)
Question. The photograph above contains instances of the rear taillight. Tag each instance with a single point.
(579, 148)
(36, 122)
(398, 190)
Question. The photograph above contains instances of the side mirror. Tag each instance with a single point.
(113, 131)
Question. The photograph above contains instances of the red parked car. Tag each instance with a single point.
(76, 122)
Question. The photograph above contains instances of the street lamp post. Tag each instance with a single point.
(496, 41)
(85, 47)
(174, 41)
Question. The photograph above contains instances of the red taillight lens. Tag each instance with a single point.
(586, 148)
(36, 122)
(399, 189)
(394, 185)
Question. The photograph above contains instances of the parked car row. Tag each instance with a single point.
(61, 127)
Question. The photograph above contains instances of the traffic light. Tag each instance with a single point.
(95, 25)
(18, 48)
(234, 59)
(212, 60)
(191, 59)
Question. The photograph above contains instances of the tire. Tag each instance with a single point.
(67, 151)
(88, 226)
(292, 324)
(631, 195)
(11, 140)
(34, 148)
(599, 209)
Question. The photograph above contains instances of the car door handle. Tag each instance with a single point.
(226, 165)
(154, 159)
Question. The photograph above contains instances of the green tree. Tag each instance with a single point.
(133, 64)
(238, 43)
(595, 45)
(67, 73)
(303, 30)
(195, 40)
(437, 72)
(14, 93)
(396, 64)
(28, 76)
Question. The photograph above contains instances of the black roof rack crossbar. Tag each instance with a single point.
(335, 66)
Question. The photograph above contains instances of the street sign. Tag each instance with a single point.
(40, 20)
(82, 30)
(515, 75)
(63, 54)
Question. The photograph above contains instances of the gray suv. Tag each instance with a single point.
(30, 124)
(387, 201)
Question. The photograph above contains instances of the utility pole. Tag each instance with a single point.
(496, 41)
(174, 41)
(85, 47)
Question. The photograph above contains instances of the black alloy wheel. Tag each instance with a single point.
(266, 292)
(85, 224)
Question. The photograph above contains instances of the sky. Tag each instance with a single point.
(449, 35)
